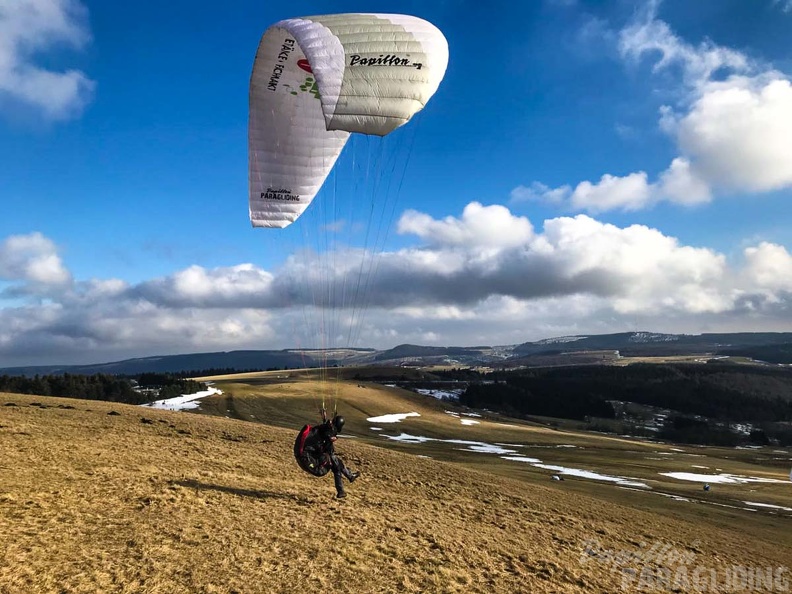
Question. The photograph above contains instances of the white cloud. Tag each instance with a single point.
(236, 286)
(647, 35)
(28, 28)
(738, 134)
(576, 275)
(680, 184)
(32, 258)
(732, 128)
(631, 192)
(769, 266)
(639, 268)
(480, 226)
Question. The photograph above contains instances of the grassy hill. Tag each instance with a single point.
(103, 497)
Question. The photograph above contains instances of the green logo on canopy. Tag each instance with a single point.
(309, 86)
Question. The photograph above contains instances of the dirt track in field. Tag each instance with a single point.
(101, 497)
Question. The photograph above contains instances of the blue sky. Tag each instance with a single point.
(585, 167)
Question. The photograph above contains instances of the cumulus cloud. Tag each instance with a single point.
(769, 266)
(738, 134)
(732, 127)
(480, 226)
(32, 258)
(681, 184)
(237, 286)
(630, 192)
(27, 29)
(464, 283)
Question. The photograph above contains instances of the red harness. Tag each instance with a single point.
(306, 455)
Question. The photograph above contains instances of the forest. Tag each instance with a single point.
(139, 389)
(715, 403)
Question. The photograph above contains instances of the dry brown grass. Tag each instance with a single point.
(168, 502)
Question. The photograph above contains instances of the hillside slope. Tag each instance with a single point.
(101, 497)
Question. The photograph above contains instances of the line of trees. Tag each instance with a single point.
(519, 397)
(101, 386)
(90, 387)
(724, 392)
(706, 400)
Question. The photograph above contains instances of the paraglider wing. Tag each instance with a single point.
(315, 80)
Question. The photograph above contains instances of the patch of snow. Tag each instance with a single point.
(779, 507)
(553, 446)
(732, 479)
(560, 339)
(522, 459)
(727, 505)
(744, 429)
(652, 337)
(183, 402)
(669, 495)
(472, 446)
(441, 394)
(393, 418)
(456, 415)
(484, 448)
(376, 428)
(697, 466)
(619, 480)
(407, 438)
(674, 497)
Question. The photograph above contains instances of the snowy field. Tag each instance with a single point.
(183, 402)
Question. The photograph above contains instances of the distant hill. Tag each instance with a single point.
(412, 351)
(770, 353)
(236, 360)
(652, 343)
(773, 347)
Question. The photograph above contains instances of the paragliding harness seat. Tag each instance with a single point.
(307, 453)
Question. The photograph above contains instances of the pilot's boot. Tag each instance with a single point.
(339, 485)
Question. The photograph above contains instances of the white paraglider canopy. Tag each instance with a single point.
(316, 80)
